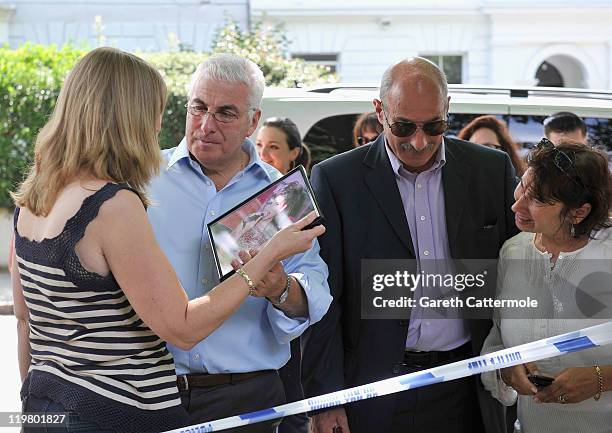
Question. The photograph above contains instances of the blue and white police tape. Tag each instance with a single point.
(586, 338)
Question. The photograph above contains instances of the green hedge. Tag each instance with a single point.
(31, 77)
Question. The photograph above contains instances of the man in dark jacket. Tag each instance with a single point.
(411, 194)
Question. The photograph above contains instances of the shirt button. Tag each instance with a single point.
(196, 356)
(425, 253)
(418, 185)
(212, 212)
(427, 323)
(422, 217)
(204, 281)
(396, 369)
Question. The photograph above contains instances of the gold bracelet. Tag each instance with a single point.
(248, 280)
(600, 387)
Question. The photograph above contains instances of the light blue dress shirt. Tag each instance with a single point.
(423, 200)
(257, 336)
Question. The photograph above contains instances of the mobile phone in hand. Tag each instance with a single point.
(540, 381)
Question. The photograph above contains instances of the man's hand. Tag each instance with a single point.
(516, 377)
(273, 283)
(325, 422)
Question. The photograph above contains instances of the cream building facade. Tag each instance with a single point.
(147, 25)
(511, 42)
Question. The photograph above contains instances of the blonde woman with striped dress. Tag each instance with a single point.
(94, 295)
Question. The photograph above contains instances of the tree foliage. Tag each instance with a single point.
(31, 77)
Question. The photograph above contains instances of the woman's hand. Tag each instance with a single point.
(572, 385)
(516, 377)
(293, 240)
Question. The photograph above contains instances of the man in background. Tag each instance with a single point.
(565, 126)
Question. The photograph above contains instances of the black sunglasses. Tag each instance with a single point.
(363, 140)
(403, 128)
(562, 161)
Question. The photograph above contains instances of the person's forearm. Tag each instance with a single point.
(208, 312)
(23, 348)
(296, 304)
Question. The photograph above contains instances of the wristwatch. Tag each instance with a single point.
(283, 296)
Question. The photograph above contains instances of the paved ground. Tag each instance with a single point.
(10, 383)
(6, 294)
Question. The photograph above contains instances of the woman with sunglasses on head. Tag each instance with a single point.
(491, 132)
(561, 258)
(96, 296)
(367, 129)
(279, 144)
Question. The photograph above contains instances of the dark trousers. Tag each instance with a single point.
(72, 424)
(447, 407)
(290, 374)
(210, 403)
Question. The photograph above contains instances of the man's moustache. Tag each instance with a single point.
(407, 147)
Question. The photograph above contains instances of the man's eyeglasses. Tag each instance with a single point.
(403, 128)
(561, 160)
(223, 116)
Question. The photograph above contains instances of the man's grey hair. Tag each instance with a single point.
(232, 68)
(417, 66)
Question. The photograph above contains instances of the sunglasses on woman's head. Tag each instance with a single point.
(561, 159)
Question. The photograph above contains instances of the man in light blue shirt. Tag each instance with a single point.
(214, 168)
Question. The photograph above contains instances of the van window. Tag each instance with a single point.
(333, 134)
(330, 136)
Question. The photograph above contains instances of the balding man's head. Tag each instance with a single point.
(414, 71)
(413, 108)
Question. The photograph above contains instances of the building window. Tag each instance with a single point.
(329, 60)
(451, 65)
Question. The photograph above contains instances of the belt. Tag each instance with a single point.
(426, 359)
(187, 381)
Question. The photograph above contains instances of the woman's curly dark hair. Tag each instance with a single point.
(573, 174)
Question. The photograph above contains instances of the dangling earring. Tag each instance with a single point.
(572, 231)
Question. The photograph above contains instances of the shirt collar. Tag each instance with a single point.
(396, 164)
(179, 153)
(182, 153)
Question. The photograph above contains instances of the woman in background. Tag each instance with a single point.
(279, 144)
(93, 293)
(491, 132)
(367, 128)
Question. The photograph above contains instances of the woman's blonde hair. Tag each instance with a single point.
(103, 125)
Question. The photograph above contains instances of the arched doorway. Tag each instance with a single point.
(561, 71)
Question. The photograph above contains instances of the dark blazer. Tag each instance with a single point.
(365, 218)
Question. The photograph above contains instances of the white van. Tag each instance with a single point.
(325, 115)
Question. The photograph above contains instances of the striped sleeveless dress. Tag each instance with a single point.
(90, 350)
